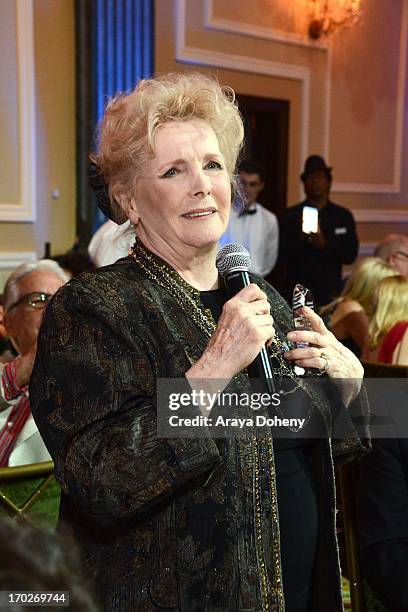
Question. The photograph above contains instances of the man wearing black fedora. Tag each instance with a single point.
(314, 255)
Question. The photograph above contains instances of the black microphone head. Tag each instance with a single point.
(233, 258)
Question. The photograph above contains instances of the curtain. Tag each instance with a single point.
(114, 49)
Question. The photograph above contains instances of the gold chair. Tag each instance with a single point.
(30, 492)
(348, 518)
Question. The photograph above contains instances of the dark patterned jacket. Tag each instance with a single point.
(164, 524)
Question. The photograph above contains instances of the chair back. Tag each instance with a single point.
(347, 513)
(31, 492)
(383, 370)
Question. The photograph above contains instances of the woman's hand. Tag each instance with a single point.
(244, 327)
(327, 354)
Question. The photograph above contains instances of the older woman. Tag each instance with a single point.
(195, 523)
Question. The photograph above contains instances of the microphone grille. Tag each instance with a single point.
(233, 257)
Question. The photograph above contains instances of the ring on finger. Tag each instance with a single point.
(327, 364)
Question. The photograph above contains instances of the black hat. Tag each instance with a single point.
(315, 163)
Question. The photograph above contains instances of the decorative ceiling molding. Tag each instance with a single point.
(25, 209)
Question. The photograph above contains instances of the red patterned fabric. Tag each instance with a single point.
(18, 414)
(390, 341)
(11, 390)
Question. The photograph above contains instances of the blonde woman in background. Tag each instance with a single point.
(388, 327)
(348, 315)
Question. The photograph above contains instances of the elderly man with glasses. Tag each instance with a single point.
(26, 294)
(394, 250)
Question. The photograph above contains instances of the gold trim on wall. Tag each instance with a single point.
(25, 209)
(227, 25)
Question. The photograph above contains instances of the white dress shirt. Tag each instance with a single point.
(29, 446)
(111, 242)
(258, 233)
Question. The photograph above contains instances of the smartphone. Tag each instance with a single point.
(310, 220)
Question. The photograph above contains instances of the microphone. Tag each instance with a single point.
(233, 263)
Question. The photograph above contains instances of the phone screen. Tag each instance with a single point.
(310, 220)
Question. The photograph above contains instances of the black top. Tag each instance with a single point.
(214, 300)
(319, 270)
(348, 341)
(297, 503)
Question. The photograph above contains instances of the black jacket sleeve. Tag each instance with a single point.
(92, 394)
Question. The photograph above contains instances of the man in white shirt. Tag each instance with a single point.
(111, 242)
(251, 224)
(26, 294)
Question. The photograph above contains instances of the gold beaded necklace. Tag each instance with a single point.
(184, 294)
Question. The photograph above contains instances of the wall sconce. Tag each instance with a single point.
(331, 15)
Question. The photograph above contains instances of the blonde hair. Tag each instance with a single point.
(390, 307)
(129, 125)
(363, 281)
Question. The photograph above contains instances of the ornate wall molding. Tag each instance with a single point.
(381, 215)
(248, 29)
(10, 261)
(242, 63)
(395, 185)
(25, 209)
(225, 25)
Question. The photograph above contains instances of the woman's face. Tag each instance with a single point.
(183, 195)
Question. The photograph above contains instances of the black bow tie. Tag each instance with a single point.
(247, 211)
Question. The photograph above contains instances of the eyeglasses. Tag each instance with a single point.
(36, 300)
(402, 254)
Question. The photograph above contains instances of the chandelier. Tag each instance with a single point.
(327, 16)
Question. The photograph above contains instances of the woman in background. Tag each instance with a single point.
(348, 315)
(388, 327)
